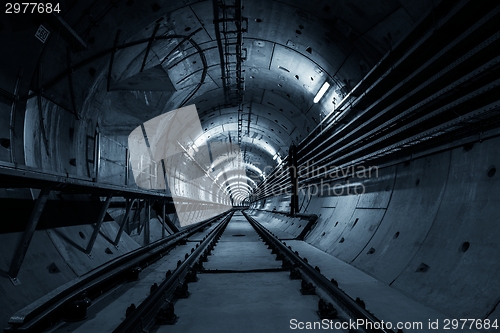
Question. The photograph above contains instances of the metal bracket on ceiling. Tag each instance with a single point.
(229, 27)
(112, 59)
(148, 48)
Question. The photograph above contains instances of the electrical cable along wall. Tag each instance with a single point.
(402, 172)
(412, 103)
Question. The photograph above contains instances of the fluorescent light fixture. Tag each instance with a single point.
(321, 92)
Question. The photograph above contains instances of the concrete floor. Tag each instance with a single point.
(384, 302)
(242, 290)
(240, 248)
(242, 301)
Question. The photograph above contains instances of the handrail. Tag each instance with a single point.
(25, 176)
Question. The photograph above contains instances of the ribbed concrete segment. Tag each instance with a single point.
(367, 130)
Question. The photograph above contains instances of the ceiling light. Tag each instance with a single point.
(321, 92)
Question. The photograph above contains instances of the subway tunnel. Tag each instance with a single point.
(361, 137)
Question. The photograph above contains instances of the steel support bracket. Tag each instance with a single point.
(292, 166)
(130, 203)
(112, 59)
(97, 227)
(23, 246)
(147, 223)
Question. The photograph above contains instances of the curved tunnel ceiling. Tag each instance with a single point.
(425, 116)
(288, 50)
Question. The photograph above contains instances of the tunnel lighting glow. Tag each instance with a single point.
(240, 195)
(321, 92)
(248, 166)
(243, 179)
(240, 188)
(253, 168)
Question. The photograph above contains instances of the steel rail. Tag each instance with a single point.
(144, 315)
(434, 132)
(53, 81)
(446, 146)
(346, 302)
(42, 312)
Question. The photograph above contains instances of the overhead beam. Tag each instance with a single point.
(75, 38)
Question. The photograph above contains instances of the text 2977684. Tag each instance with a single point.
(32, 8)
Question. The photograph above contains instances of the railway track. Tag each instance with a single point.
(235, 276)
(69, 302)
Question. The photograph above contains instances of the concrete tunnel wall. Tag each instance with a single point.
(56, 142)
(55, 257)
(428, 228)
